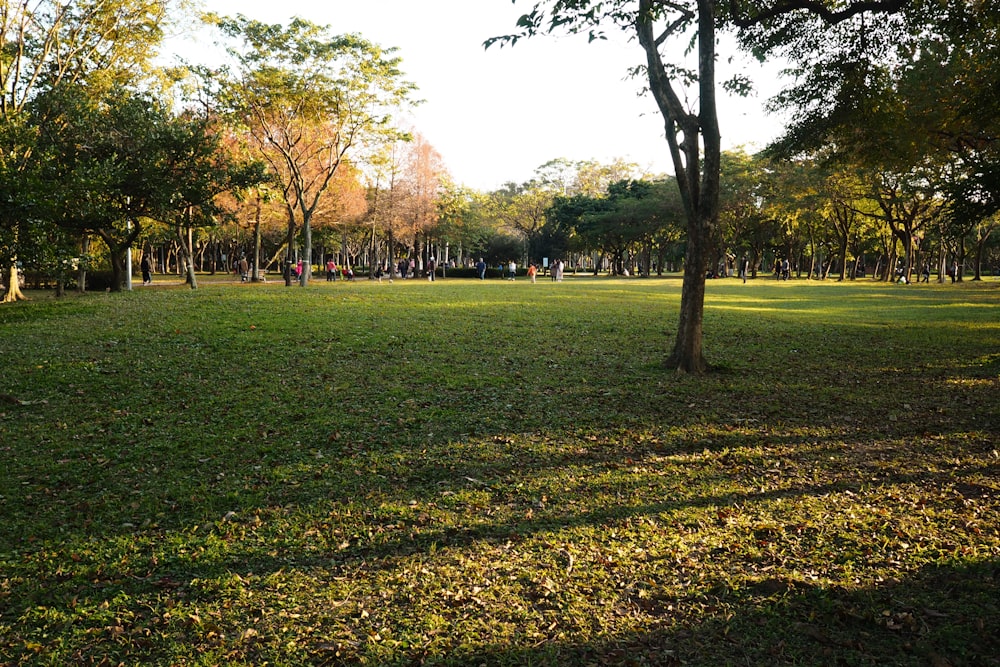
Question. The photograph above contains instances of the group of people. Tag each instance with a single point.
(509, 271)
(557, 270)
(405, 268)
(782, 269)
(346, 272)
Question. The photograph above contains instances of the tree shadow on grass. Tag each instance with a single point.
(760, 616)
(944, 616)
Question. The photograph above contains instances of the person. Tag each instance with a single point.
(481, 269)
(744, 268)
(786, 270)
(244, 269)
(512, 267)
(331, 269)
(298, 270)
(532, 271)
(430, 269)
(144, 266)
(560, 267)
(403, 266)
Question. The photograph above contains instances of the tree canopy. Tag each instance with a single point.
(310, 101)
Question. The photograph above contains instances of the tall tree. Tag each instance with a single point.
(692, 136)
(310, 100)
(421, 182)
(46, 43)
(629, 213)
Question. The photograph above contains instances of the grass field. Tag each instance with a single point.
(467, 473)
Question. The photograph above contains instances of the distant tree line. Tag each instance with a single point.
(290, 152)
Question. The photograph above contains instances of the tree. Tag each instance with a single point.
(462, 220)
(309, 100)
(637, 211)
(912, 97)
(113, 165)
(744, 188)
(198, 169)
(692, 136)
(982, 232)
(629, 215)
(420, 183)
(522, 209)
(18, 227)
(46, 44)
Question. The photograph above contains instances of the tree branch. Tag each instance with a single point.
(815, 7)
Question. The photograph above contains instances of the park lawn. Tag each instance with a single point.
(497, 473)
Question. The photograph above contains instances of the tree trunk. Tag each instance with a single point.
(289, 258)
(117, 253)
(812, 258)
(687, 354)
(942, 261)
(186, 239)
(391, 252)
(842, 259)
(13, 292)
(117, 258)
(81, 269)
(960, 264)
(345, 260)
(980, 250)
(890, 264)
(907, 240)
(698, 182)
(202, 249)
(307, 250)
(256, 243)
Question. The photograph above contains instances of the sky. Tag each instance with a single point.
(495, 115)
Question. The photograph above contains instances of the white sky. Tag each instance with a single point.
(496, 115)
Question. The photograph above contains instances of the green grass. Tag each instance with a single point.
(467, 473)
